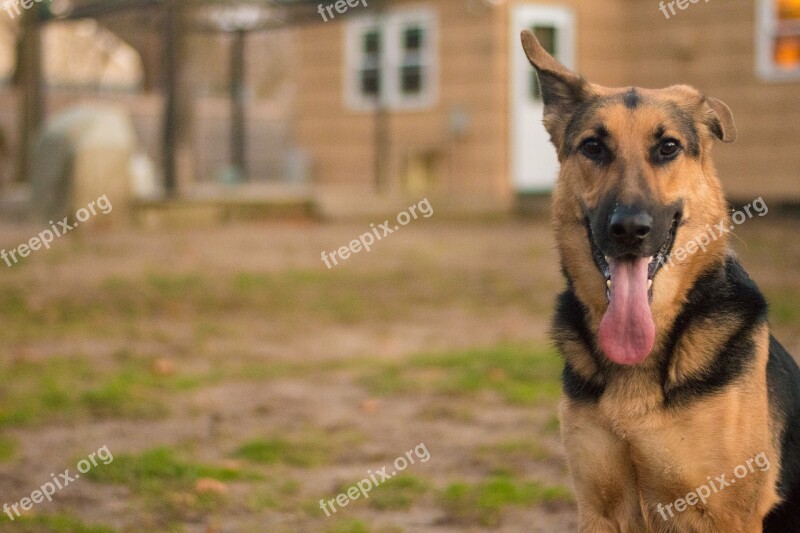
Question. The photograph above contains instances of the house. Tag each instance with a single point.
(436, 96)
(409, 97)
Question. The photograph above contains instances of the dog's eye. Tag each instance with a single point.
(594, 149)
(669, 148)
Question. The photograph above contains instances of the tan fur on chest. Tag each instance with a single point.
(629, 448)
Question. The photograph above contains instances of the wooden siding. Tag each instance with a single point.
(620, 42)
(341, 141)
(712, 46)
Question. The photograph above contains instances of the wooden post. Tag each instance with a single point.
(29, 86)
(382, 139)
(171, 63)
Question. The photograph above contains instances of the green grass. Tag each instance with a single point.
(287, 294)
(176, 286)
(125, 386)
(32, 391)
(8, 447)
(12, 302)
(783, 308)
(126, 306)
(49, 524)
(124, 396)
(398, 493)
(160, 469)
(483, 503)
(510, 456)
(279, 450)
(72, 387)
(519, 374)
(273, 494)
(303, 450)
(444, 409)
(552, 425)
(349, 526)
(168, 485)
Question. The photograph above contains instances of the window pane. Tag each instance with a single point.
(412, 71)
(369, 74)
(370, 82)
(413, 39)
(548, 37)
(788, 9)
(412, 79)
(786, 52)
(372, 43)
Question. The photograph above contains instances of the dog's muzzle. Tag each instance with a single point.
(622, 230)
(630, 244)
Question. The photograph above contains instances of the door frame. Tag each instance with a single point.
(564, 19)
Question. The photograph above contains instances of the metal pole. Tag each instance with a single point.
(237, 95)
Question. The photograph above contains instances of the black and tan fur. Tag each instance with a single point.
(716, 389)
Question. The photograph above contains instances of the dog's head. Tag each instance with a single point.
(636, 183)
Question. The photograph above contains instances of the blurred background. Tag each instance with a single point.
(193, 328)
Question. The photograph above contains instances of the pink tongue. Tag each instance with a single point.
(627, 331)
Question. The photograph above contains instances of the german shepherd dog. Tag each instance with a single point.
(673, 385)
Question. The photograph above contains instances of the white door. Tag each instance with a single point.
(534, 164)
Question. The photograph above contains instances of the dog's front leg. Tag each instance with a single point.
(605, 481)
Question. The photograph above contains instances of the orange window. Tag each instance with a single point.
(779, 39)
(786, 43)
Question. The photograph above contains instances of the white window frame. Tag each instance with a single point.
(766, 30)
(391, 26)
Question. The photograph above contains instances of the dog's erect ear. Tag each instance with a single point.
(562, 90)
(720, 120)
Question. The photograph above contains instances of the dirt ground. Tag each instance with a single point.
(237, 381)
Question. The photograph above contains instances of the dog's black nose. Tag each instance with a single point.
(629, 225)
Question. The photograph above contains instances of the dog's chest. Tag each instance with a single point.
(632, 399)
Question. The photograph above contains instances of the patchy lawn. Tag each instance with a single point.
(237, 381)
